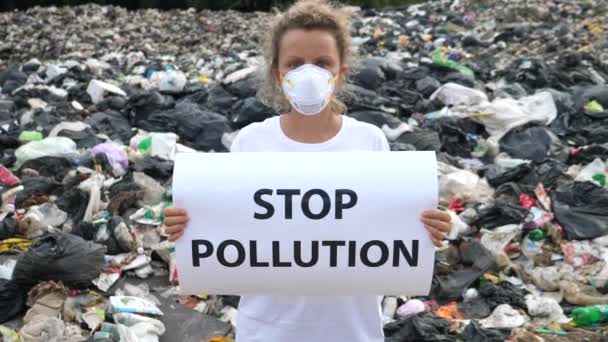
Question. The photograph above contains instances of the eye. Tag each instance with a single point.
(322, 64)
(293, 65)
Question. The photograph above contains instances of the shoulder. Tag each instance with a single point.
(368, 131)
(254, 132)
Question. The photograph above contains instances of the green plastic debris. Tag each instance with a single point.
(161, 217)
(594, 107)
(481, 149)
(27, 136)
(9, 335)
(168, 195)
(551, 332)
(145, 145)
(537, 234)
(600, 178)
(149, 214)
(588, 316)
(440, 58)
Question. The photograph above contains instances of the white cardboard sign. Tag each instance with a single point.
(337, 223)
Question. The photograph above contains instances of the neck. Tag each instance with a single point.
(311, 128)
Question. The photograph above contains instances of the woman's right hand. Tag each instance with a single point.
(175, 222)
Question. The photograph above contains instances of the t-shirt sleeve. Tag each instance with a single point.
(236, 145)
(380, 143)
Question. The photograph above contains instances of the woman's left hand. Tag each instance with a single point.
(438, 223)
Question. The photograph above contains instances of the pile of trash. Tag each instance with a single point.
(97, 100)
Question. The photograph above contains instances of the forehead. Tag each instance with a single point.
(308, 44)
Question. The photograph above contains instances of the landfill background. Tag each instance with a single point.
(97, 100)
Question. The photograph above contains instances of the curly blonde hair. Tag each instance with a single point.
(307, 15)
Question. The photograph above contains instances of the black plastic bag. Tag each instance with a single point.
(587, 154)
(501, 214)
(457, 135)
(582, 209)
(473, 260)
(358, 98)
(497, 175)
(526, 142)
(450, 287)
(252, 111)
(113, 124)
(421, 327)
(145, 104)
(107, 234)
(582, 96)
(475, 333)
(12, 300)
(376, 118)
(369, 77)
(8, 227)
(83, 139)
(423, 140)
(427, 86)
(54, 167)
(247, 87)
(199, 128)
(375, 71)
(74, 202)
(510, 192)
(60, 257)
(476, 308)
(219, 99)
(548, 172)
(37, 186)
(155, 167)
(124, 195)
(503, 293)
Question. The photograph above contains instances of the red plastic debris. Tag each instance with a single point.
(7, 177)
(527, 201)
(456, 205)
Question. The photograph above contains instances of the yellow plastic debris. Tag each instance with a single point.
(14, 244)
(203, 79)
(595, 27)
(594, 107)
(378, 33)
(426, 37)
(221, 339)
(478, 114)
(9, 335)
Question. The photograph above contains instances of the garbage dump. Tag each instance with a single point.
(97, 100)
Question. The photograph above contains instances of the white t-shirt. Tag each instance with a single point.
(309, 318)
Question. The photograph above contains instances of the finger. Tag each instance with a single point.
(437, 215)
(436, 242)
(175, 229)
(173, 211)
(176, 236)
(436, 233)
(440, 225)
(175, 220)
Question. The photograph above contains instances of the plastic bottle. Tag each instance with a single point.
(590, 315)
(530, 248)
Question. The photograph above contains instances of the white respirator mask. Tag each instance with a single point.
(308, 88)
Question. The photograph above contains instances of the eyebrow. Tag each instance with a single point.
(299, 57)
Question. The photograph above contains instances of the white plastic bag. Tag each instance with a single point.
(52, 146)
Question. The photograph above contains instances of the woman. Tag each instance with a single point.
(306, 53)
